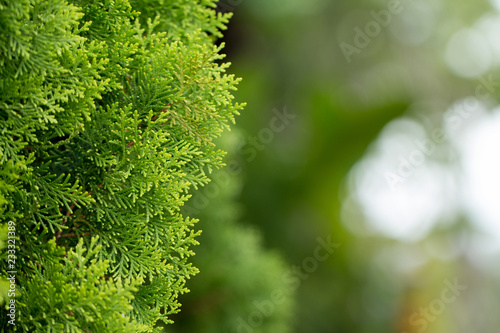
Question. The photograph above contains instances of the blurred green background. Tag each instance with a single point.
(372, 124)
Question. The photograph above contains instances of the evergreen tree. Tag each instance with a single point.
(108, 112)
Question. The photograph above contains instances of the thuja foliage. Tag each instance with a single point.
(108, 112)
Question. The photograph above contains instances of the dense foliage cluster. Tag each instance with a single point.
(108, 112)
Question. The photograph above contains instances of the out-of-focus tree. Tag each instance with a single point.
(412, 66)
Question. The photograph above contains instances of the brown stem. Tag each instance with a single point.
(68, 213)
(74, 235)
